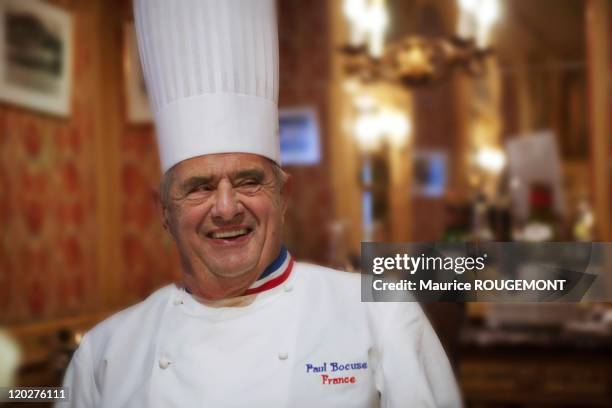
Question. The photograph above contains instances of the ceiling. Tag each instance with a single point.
(541, 30)
(533, 29)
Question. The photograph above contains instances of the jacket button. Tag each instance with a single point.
(164, 363)
(178, 301)
(283, 355)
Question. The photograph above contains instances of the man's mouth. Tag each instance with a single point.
(229, 234)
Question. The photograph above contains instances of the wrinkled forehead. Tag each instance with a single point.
(220, 165)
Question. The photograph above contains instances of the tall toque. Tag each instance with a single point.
(211, 69)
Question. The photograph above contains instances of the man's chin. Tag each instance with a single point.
(233, 269)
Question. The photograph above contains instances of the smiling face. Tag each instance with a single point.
(225, 213)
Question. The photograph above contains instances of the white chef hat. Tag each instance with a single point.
(211, 69)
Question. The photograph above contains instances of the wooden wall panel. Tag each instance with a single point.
(599, 63)
(304, 36)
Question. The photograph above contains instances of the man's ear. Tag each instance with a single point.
(162, 210)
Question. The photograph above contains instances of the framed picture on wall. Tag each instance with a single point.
(430, 173)
(35, 55)
(136, 99)
(299, 136)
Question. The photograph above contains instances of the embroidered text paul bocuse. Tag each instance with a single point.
(343, 372)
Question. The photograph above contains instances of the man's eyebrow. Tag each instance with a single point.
(256, 174)
(192, 182)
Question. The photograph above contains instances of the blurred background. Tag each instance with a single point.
(401, 120)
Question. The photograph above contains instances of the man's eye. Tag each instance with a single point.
(248, 185)
(204, 187)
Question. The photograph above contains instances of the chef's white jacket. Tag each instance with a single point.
(310, 342)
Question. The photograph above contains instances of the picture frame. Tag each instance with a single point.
(138, 110)
(36, 47)
(300, 143)
(430, 173)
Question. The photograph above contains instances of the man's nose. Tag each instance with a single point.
(226, 206)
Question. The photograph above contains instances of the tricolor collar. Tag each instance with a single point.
(273, 275)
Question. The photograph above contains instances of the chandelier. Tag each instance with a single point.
(415, 60)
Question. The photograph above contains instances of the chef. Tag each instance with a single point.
(247, 326)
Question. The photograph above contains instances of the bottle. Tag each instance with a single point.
(542, 223)
(501, 214)
(481, 228)
(584, 222)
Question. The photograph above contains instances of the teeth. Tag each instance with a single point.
(229, 234)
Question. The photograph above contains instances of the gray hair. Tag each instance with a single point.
(164, 187)
(280, 175)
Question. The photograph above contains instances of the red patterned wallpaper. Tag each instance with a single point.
(47, 201)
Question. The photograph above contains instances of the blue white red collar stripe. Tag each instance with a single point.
(274, 275)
